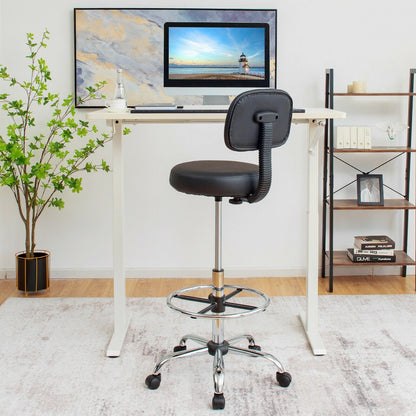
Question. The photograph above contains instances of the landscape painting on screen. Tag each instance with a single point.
(208, 53)
(133, 40)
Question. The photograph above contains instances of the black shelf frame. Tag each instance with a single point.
(328, 173)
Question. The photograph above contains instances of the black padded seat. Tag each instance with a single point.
(218, 178)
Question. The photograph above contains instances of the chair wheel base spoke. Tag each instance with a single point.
(284, 379)
(218, 401)
(153, 381)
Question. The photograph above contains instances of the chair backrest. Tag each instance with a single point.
(259, 120)
(242, 130)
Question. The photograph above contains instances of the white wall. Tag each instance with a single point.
(168, 233)
(1, 30)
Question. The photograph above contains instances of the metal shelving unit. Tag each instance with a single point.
(331, 258)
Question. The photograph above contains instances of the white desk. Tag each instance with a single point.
(314, 117)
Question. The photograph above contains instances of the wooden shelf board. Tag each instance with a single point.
(344, 204)
(341, 259)
(378, 149)
(374, 94)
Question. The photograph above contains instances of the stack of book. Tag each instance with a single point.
(372, 249)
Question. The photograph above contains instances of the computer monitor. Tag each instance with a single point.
(216, 60)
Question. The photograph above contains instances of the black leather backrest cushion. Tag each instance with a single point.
(241, 131)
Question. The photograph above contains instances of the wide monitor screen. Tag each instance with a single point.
(216, 54)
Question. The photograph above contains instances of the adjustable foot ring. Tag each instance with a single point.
(216, 304)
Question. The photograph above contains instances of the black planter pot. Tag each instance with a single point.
(32, 273)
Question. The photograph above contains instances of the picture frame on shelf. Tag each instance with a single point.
(370, 189)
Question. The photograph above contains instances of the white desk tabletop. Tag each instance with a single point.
(183, 117)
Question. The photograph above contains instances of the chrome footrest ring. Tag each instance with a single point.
(244, 310)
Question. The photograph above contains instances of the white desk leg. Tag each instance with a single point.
(311, 322)
(121, 320)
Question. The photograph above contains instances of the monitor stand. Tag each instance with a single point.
(215, 100)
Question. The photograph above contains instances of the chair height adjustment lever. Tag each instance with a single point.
(236, 201)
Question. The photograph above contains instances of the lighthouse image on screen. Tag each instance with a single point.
(217, 53)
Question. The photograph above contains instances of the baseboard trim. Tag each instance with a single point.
(138, 273)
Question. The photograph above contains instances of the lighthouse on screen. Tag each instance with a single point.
(243, 67)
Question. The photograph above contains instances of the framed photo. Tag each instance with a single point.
(370, 189)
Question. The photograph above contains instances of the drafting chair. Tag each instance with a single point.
(256, 120)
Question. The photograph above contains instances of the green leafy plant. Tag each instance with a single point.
(39, 160)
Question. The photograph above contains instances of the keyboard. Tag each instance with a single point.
(191, 109)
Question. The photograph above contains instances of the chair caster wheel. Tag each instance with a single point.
(283, 379)
(254, 347)
(179, 348)
(153, 381)
(218, 401)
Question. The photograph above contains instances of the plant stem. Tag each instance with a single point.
(27, 228)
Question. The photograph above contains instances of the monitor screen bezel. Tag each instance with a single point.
(217, 83)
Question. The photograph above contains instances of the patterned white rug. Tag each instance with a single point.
(52, 360)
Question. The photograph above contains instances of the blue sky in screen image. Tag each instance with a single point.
(215, 46)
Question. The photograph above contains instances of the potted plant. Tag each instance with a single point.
(39, 153)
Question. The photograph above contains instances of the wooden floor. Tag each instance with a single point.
(278, 286)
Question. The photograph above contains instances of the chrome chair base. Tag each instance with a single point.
(218, 351)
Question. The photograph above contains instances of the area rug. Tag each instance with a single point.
(53, 362)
